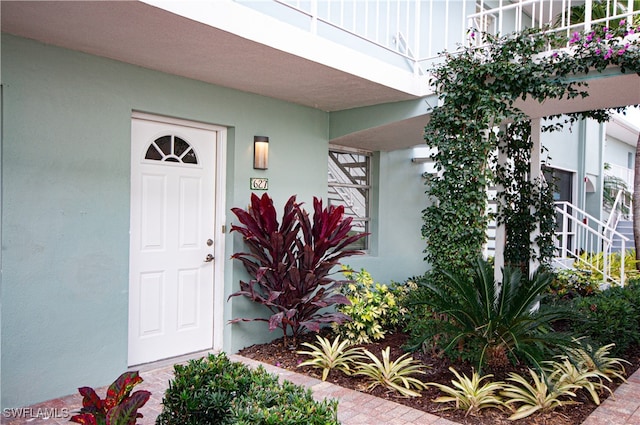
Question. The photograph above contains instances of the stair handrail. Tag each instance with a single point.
(614, 216)
(596, 237)
(348, 200)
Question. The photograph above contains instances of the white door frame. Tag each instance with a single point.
(219, 219)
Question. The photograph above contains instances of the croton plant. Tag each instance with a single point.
(290, 263)
(120, 407)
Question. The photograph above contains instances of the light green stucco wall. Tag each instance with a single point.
(579, 148)
(617, 152)
(65, 205)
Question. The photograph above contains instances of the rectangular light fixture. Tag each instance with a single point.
(260, 152)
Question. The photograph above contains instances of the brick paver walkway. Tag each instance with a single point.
(355, 408)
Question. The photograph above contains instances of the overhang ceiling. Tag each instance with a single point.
(142, 34)
(182, 44)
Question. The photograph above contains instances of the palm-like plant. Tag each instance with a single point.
(470, 394)
(540, 395)
(503, 319)
(397, 375)
(328, 356)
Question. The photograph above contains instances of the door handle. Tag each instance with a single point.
(209, 258)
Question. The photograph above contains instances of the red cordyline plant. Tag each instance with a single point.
(120, 407)
(290, 262)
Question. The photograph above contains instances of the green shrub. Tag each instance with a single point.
(590, 263)
(214, 390)
(571, 283)
(612, 315)
(375, 308)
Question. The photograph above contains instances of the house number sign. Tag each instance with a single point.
(258, 183)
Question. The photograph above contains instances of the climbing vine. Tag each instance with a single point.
(481, 137)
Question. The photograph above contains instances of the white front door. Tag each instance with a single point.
(172, 240)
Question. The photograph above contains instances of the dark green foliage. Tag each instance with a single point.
(572, 283)
(290, 262)
(612, 316)
(490, 323)
(119, 407)
(478, 117)
(215, 391)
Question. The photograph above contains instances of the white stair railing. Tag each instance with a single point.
(616, 213)
(582, 233)
(335, 175)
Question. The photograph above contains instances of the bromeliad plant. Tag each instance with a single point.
(470, 394)
(598, 360)
(539, 395)
(328, 356)
(120, 407)
(290, 262)
(397, 375)
(565, 371)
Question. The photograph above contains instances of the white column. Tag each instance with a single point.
(535, 175)
(501, 231)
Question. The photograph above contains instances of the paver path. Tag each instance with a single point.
(355, 408)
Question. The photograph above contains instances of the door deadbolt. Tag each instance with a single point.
(209, 242)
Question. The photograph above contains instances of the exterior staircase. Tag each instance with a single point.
(624, 228)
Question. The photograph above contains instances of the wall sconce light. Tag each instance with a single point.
(260, 152)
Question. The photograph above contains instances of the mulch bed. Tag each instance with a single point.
(275, 353)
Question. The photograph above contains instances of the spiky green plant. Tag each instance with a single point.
(470, 394)
(565, 371)
(598, 360)
(397, 375)
(328, 356)
(493, 320)
(539, 395)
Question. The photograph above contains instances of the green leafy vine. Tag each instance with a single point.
(481, 137)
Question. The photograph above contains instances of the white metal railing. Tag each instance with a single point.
(620, 172)
(518, 15)
(616, 213)
(582, 233)
(355, 206)
(420, 30)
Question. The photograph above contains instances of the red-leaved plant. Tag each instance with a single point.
(120, 407)
(290, 262)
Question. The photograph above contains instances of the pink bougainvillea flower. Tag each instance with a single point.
(608, 54)
(575, 38)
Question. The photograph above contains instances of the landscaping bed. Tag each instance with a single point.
(275, 353)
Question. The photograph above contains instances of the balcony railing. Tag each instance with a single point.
(418, 31)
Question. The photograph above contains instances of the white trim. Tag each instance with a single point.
(175, 121)
(220, 213)
(220, 223)
(347, 149)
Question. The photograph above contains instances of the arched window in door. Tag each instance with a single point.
(171, 149)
